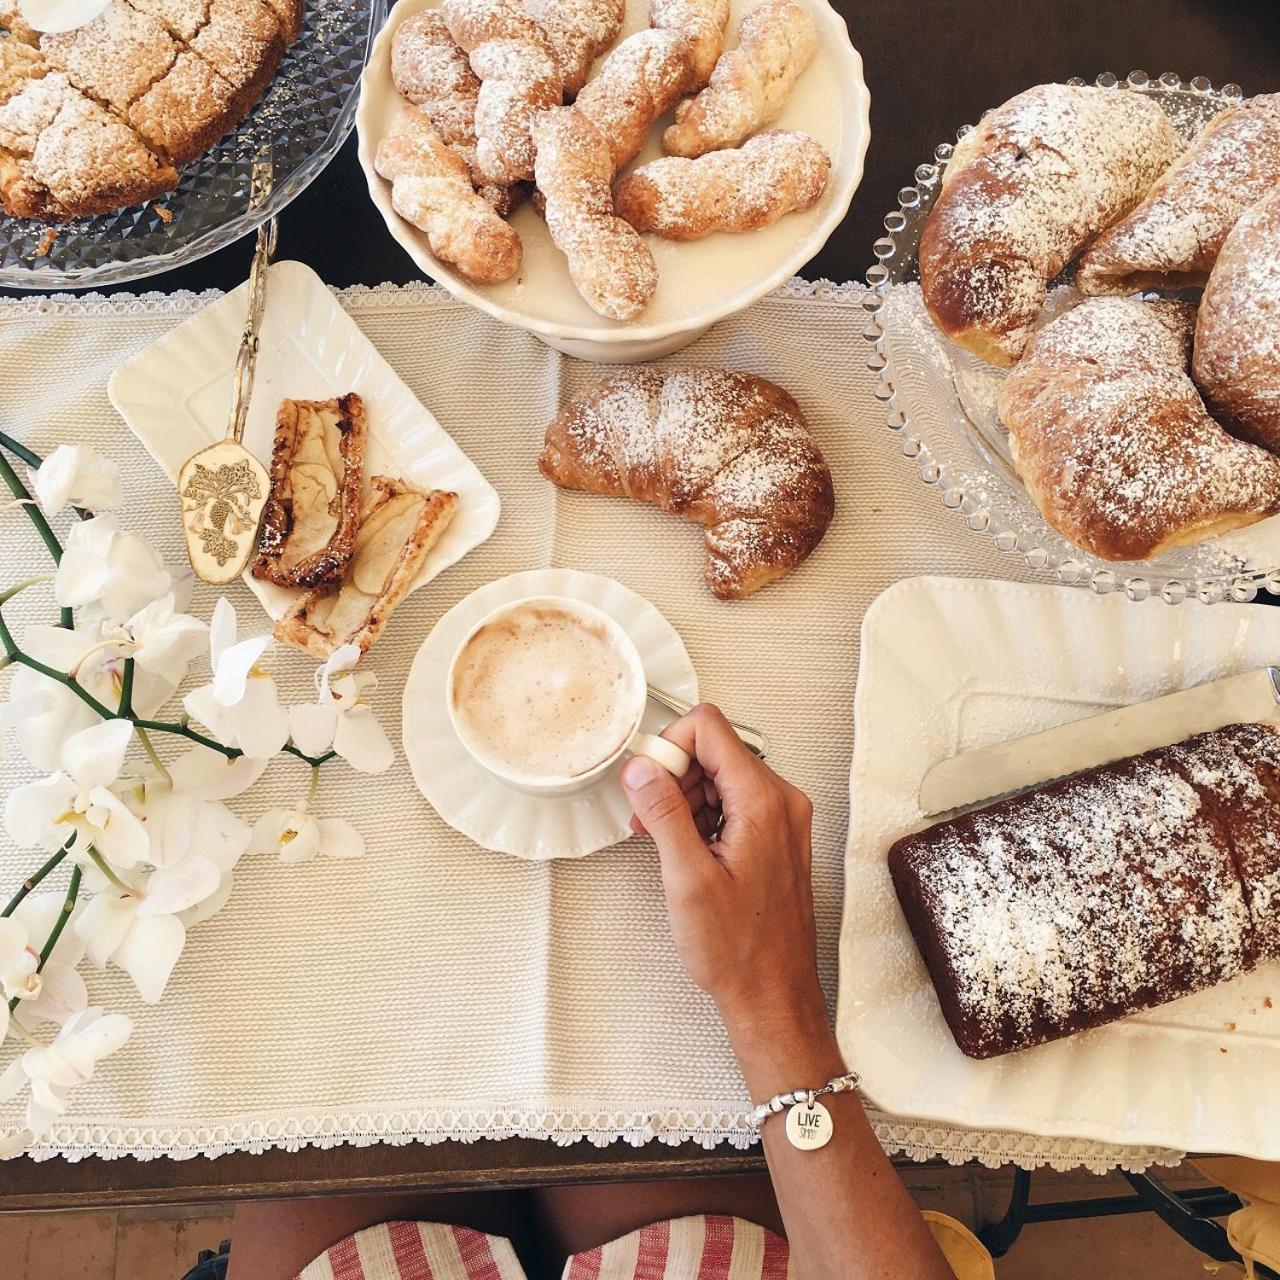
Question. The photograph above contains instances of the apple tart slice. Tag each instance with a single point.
(399, 525)
(310, 521)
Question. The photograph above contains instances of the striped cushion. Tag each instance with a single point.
(706, 1247)
(713, 1247)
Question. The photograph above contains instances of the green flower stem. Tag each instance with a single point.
(34, 879)
(43, 527)
(153, 755)
(126, 691)
(18, 587)
(101, 863)
(68, 906)
(33, 460)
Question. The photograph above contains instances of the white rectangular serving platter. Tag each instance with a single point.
(948, 665)
(175, 397)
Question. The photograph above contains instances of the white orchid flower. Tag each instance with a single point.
(107, 573)
(18, 961)
(298, 837)
(240, 706)
(342, 718)
(53, 1070)
(159, 639)
(205, 774)
(63, 994)
(74, 475)
(146, 947)
(78, 798)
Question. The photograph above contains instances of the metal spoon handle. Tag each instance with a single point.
(247, 356)
(756, 742)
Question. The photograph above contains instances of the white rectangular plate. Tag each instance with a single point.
(949, 665)
(176, 396)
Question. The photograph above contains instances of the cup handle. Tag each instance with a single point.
(675, 761)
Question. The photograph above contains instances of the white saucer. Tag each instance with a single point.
(472, 800)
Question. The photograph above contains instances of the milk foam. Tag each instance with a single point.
(544, 692)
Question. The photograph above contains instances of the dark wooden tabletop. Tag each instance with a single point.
(932, 65)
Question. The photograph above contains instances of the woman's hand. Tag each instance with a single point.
(734, 839)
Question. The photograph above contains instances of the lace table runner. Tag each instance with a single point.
(433, 990)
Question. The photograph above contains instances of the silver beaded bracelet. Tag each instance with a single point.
(809, 1124)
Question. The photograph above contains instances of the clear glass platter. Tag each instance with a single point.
(303, 118)
(939, 402)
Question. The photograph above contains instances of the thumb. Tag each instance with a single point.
(660, 805)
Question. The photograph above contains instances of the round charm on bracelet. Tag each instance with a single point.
(809, 1125)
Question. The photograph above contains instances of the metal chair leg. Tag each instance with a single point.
(998, 1237)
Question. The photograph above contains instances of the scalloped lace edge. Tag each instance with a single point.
(354, 297)
(917, 1141)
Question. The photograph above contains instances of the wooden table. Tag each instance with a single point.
(932, 65)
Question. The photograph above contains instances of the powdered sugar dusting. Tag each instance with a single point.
(1110, 892)
(1024, 191)
(1237, 357)
(1173, 237)
(1113, 441)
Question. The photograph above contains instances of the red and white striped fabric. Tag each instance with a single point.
(706, 1247)
(710, 1247)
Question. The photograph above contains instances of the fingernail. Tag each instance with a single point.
(639, 771)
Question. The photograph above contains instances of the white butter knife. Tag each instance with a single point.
(1253, 697)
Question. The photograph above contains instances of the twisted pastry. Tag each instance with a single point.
(701, 22)
(432, 72)
(750, 84)
(743, 190)
(431, 188)
(519, 76)
(579, 30)
(610, 265)
(729, 451)
(640, 80)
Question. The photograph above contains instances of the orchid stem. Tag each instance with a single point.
(126, 691)
(101, 863)
(314, 787)
(152, 754)
(34, 879)
(68, 906)
(43, 527)
(10, 592)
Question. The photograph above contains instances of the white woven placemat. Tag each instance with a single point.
(433, 990)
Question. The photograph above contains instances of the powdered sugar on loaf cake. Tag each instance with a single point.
(1109, 892)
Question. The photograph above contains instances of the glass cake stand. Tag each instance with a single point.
(302, 119)
(940, 404)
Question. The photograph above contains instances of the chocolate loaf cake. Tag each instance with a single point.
(1105, 893)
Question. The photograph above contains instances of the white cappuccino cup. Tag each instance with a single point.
(547, 693)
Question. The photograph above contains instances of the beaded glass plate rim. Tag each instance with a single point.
(1083, 570)
(219, 237)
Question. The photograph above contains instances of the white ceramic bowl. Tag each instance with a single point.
(701, 281)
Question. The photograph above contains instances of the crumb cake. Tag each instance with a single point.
(103, 116)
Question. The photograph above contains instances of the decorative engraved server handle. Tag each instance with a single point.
(260, 185)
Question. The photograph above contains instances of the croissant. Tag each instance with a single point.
(1170, 241)
(727, 450)
(1113, 442)
(1237, 348)
(1022, 194)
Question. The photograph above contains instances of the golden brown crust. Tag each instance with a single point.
(750, 84)
(1171, 240)
(432, 189)
(1237, 349)
(306, 625)
(1024, 191)
(187, 110)
(727, 450)
(1113, 441)
(742, 189)
(280, 559)
(701, 23)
